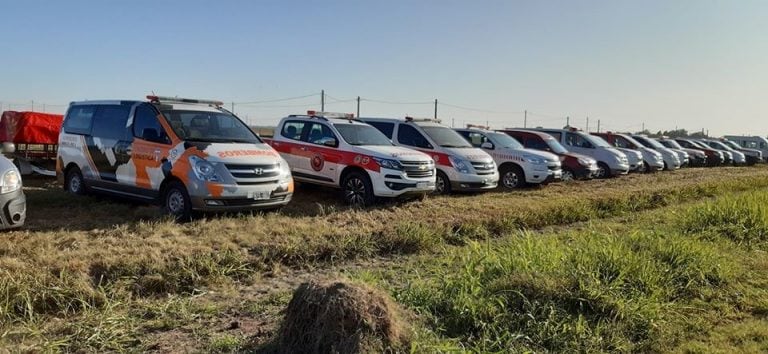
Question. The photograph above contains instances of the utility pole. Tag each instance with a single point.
(33, 106)
(322, 100)
(233, 107)
(587, 125)
(643, 127)
(598, 125)
(525, 119)
(568, 121)
(435, 108)
(487, 124)
(453, 122)
(358, 106)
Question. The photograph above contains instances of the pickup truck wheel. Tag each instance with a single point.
(74, 182)
(567, 175)
(176, 202)
(442, 184)
(358, 191)
(603, 171)
(512, 177)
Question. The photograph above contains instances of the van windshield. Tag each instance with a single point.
(505, 141)
(362, 134)
(595, 140)
(206, 126)
(446, 137)
(671, 144)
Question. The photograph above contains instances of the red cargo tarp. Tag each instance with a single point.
(30, 127)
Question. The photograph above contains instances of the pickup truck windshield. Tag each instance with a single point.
(362, 134)
(446, 137)
(205, 126)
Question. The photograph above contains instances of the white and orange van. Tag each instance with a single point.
(187, 155)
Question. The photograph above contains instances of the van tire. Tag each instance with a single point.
(512, 177)
(74, 182)
(176, 202)
(357, 189)
(442, 183)
(603, 171)
(567, 175)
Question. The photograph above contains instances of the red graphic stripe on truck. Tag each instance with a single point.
(439, 157)
(312, 152)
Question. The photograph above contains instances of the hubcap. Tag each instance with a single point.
(567, 176)
(175, 202)
(355, 192)
(75, 184)
(511, 179)
(440, 185)
(600, 172)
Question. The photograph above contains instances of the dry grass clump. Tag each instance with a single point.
(340, 317)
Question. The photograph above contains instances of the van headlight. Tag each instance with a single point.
(203, 170)
(534, 159)
(11, 182)
(460, 165)
(584, 162)
(387, 163)
(285, 172)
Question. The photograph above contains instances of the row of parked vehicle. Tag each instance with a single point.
(194, 155)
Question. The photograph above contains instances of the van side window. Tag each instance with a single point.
(408, 135)
(320, 134)
(535, 143)
(556, 135)
(109, 122)
(572, 139)
(619, 141)
(79, 119)
(147, 127)
(387, 128)
(292, 130)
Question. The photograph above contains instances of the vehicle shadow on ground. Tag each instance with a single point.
(50, 208)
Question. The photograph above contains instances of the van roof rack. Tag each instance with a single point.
(161, 99)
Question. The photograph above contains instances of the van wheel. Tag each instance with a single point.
(567, 175)
(603, 171)
(74, 182)
(176, 202)
(442, 183)
(512, 177)
(646, 167)
(358, 191)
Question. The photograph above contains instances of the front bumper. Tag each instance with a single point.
(619, 169)
(474, 183)
(14, 209)
(242, 197)
(394, 183)
(544, 174)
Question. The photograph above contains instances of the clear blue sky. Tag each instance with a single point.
(693, 64)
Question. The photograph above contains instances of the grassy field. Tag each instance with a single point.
(661, 262)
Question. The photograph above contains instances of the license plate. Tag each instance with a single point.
(422, 185)
(261, 195)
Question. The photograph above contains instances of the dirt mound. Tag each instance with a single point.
(340, 317)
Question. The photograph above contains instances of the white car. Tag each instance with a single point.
(460, 166)
(671, 158)
(517, 165)
(336, 150)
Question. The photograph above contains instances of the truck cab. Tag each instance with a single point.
(650, 159)
(460, 166)
(610, 161)
(517, 165)
(574, 166)
(339, 151)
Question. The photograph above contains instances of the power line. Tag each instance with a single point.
(477, 109)
(393, 102)
(277, 99)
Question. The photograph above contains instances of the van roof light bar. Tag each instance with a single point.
(478, 126)
(158, 99)
(336, 115)
(412, 119)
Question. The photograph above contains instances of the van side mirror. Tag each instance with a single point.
(487, 145)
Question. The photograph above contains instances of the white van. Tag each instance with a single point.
(610, 161)
(460, 166)
(518, 166)
(751, 142)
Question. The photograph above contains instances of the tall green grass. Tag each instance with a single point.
(742, 218)
(582, 292)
